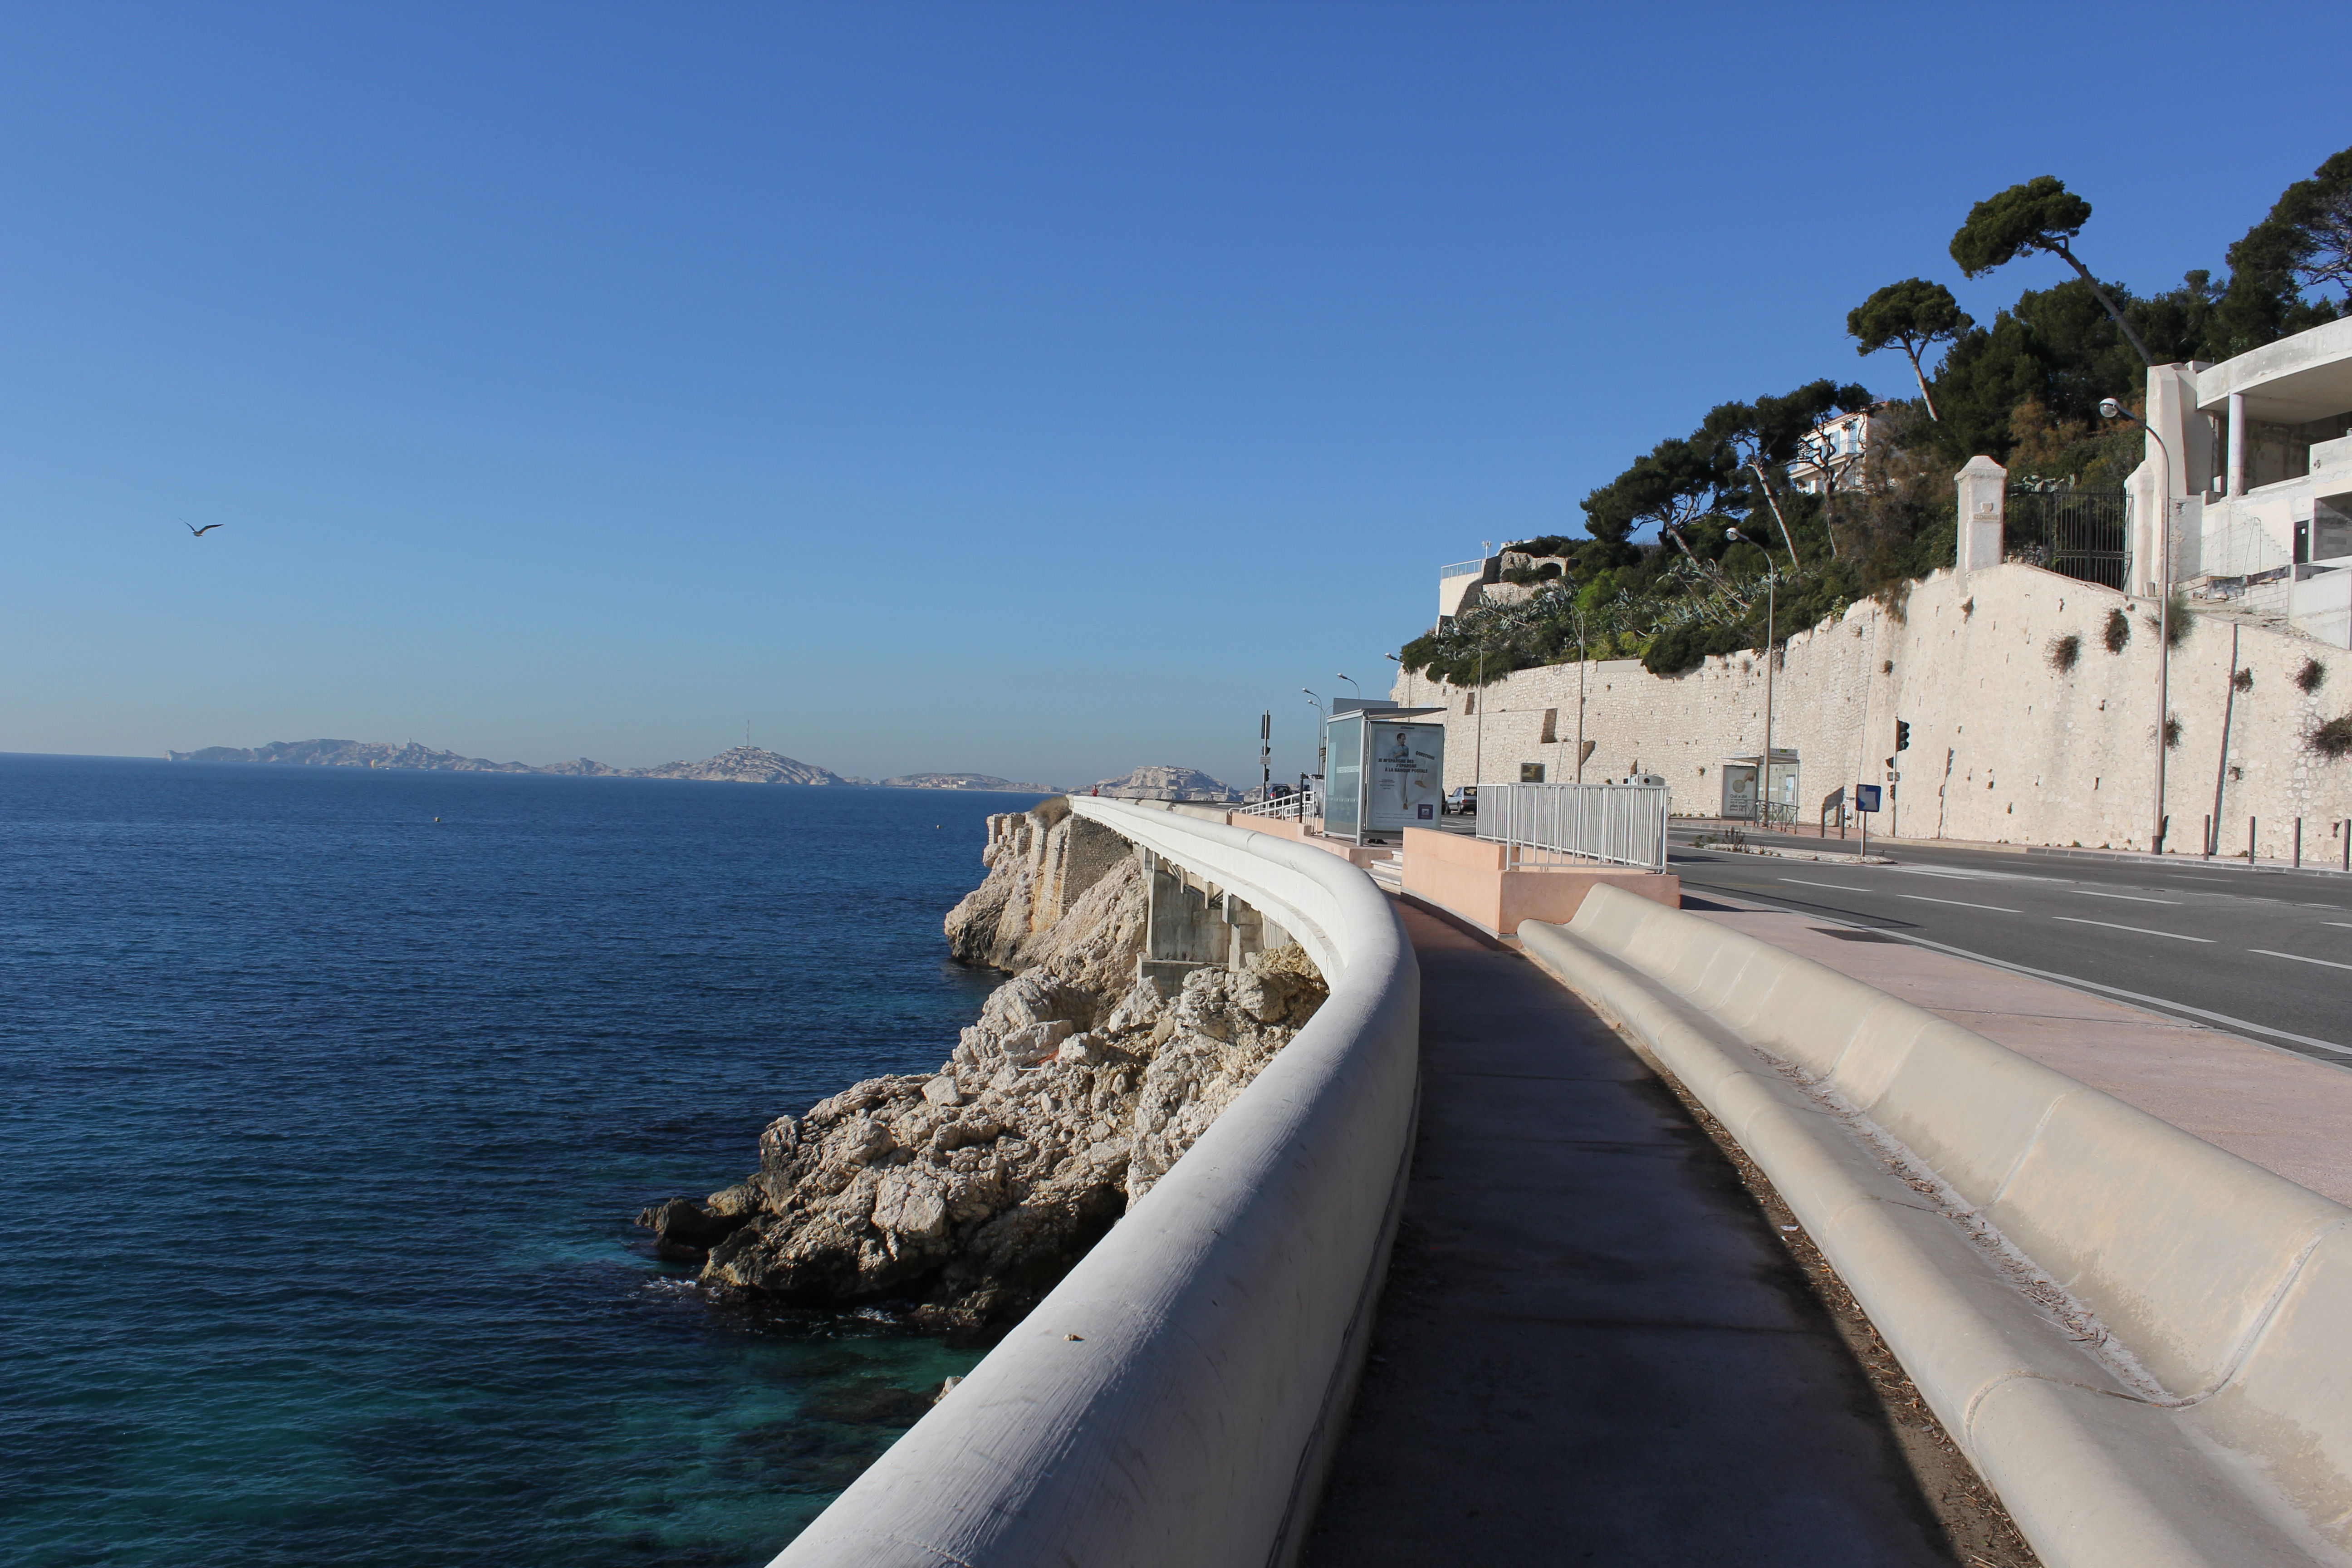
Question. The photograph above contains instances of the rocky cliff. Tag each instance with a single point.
(966, 1194)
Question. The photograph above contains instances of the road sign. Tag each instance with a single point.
(1866, 798)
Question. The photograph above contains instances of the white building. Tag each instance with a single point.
(1510, 577)
(2254, 457)
(1837, 450)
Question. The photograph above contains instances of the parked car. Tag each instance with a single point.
(1462, 800)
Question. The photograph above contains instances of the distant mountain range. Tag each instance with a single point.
(741, 764)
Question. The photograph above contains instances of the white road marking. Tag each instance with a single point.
(2134, 897)
(1839, 887)
(2078, 983)
(2331, 963)
(2076, 919)
(1959, 903)
(2345, 924)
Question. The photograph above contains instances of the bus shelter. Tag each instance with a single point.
(1384, 771)
(1748, 797)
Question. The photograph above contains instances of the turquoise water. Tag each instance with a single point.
(324, 1121)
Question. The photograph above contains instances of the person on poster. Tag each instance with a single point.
(1398, 761)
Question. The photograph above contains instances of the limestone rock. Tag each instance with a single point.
(970, 1191)
(684, 1227)
(1033, 908)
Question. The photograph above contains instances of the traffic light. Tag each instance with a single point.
(1902, 735)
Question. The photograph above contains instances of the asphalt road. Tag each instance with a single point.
(2266, 955)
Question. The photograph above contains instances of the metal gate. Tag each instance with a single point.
(2085, 534)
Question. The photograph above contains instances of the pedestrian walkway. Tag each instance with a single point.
(2288, 1113)
(1591, 1348)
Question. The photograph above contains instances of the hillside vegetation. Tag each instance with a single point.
(1680, 549)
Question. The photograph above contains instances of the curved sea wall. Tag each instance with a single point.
(1173, 1399)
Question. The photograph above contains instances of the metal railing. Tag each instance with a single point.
(1284, 808)
(1557, 824)
(1461, 569)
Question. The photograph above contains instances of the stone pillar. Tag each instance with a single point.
(2237, 444)
(1983, 489)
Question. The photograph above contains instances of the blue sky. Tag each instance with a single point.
(1036, 389)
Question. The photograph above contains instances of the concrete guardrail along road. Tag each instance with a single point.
(1172, 1402)
(2143, 1343)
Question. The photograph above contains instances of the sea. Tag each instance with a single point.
(326, 1099)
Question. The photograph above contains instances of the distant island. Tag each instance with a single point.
(1162, 780)
(739, 764)
(969, 781)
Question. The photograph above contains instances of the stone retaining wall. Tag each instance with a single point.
(2006, 747)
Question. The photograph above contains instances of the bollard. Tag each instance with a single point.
(2250, 841)
(2208, 837)
(2298, 844)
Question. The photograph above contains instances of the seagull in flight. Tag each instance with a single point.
(199, 533)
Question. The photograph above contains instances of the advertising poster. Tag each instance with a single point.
(1407, 776)
(1740, 790)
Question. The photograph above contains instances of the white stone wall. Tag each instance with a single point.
(2004, 747)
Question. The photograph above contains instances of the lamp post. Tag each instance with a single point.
(1581, 657)
(1771, 595)
(1478, 745)
(2111, 409)
(1351, 681)
(1322, 736)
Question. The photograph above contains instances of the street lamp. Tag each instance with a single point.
(1581, 658)
(2111, 409)
(1771, 607)
(1322, 736)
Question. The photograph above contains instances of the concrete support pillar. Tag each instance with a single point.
(1983, 488)
(1182, 930)
(1248, 928)
(2237, 443)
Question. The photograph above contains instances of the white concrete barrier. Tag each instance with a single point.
(1174, 1401)
(2143, 1343)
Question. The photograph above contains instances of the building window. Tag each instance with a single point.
(1531, 772)
(1550, 727)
